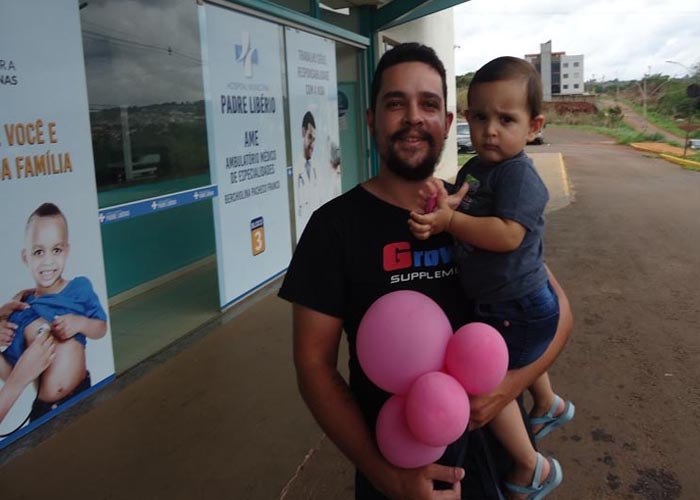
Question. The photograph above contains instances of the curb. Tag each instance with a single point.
(690, 164)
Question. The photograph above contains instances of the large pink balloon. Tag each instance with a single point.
(403, 335)
(437, 409)
(477, 356)
(395, 440)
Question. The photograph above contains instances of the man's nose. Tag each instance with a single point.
(413, 115)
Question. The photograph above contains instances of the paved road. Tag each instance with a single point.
(626, 251)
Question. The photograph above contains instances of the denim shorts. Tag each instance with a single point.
(528, 324)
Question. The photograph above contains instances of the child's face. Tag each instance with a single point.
(46, 250)
(499, 119)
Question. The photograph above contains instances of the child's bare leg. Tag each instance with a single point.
(543, 396)
(509, 429)
(548, 409)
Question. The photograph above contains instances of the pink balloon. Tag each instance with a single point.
(477, 356)
(403, 335)
(437, 409)
(395, 440)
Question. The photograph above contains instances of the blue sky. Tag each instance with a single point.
(621, 39)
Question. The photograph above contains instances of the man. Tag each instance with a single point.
(307, 182)
(357, 248)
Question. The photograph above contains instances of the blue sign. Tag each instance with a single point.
(126, 211)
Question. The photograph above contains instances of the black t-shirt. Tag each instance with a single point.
(357, 248)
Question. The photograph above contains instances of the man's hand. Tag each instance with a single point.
(418, 484)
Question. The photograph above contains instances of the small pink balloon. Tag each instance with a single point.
(477, 356)
(395, 440)
(437, 409)
(403, 335)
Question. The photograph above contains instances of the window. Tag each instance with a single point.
(566, 65)
(576, 65)
(576, 85)
(565, 86)
(144, 81)
(565, 75)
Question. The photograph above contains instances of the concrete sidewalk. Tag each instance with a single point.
(216, 417)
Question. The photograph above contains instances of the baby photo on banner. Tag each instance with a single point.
(55, 341)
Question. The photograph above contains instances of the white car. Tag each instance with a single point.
(464, 138)
(694, 143)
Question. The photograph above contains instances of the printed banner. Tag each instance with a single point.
(313, 114)
(245, 123)
(51, 257)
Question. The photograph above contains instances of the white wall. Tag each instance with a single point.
(436, 31)
(572, 74)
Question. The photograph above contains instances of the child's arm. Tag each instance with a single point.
(67, 325)
(488, 233)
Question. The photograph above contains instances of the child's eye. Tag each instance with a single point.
(38, 253)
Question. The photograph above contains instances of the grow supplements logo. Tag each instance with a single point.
(409, 264)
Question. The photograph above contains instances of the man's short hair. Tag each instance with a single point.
(403, 53)
(512, 68)
(308, 120)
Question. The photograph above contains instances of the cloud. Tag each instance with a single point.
(621, 39)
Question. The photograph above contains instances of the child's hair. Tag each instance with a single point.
(402, 53)
(511, 68)
(47, 210)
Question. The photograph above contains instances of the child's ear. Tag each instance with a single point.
(536, 125)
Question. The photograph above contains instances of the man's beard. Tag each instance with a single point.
(402, 168)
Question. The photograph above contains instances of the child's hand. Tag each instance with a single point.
(455, 199)
(427, 195)
(423, 226)
(66, 326)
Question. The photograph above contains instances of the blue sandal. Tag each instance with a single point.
(550, 421)
(540, 489)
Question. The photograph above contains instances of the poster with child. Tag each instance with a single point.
(54, 326)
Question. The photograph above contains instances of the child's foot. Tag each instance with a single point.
(543, 421)
(529, 484)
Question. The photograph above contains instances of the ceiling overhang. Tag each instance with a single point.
(390, 13)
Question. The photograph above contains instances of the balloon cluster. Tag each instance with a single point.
(406, 346)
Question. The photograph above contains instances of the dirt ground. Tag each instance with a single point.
(626, 251)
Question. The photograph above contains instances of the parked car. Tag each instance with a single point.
(539, 138)
(694, 143)
(464, 138)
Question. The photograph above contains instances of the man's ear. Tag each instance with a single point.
(449, 118)
(24, 256)
(370, 119)
(536, 125)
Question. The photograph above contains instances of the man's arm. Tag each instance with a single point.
(494, 234)
(317, 339)
(484, 408)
